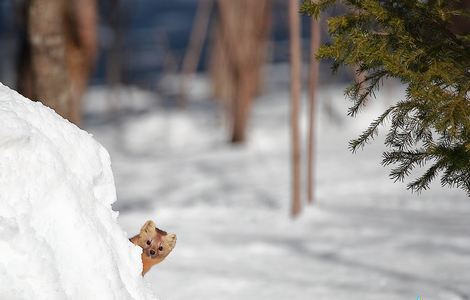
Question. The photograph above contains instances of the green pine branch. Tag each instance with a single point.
(414, 42)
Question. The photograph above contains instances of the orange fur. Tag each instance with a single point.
(156, 244)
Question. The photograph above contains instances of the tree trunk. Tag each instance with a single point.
(240, 110)
(313, 84)
(58, 53)
(50, 80)
(238, 56)
(295, 62)
(196, 41)
(81, 50)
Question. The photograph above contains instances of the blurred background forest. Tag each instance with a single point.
(150, 38)
(218, 122)
(57, 51)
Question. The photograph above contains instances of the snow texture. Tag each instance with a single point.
(59, 238)
(365, 238)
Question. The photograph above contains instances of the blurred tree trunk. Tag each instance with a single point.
(81, 50)
(196, 41)
(312, 90)
(219, 68)
(238, 55)
(50, 82)
(295, 77)
(58, 53)
(114, 57)
(359, 77)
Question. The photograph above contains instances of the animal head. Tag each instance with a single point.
(156, 244)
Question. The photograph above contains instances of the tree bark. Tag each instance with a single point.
(295, 88)
(81, 50)
(238, 56)
(50, 80)
(241, 107)
(313, 84)
(58, 53)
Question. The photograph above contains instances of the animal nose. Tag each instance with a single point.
(152, 252)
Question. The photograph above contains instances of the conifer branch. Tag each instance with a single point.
(422, 183)
(370, 132)
(360, 95)
(413, 42)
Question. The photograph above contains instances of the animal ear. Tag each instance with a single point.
(169, 242)
(148, 229)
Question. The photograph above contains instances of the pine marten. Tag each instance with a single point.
(156, 244)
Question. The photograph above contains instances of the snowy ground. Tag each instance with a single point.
(365, 238)
(59, 238)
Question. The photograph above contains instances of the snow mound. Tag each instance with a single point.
(59, 237)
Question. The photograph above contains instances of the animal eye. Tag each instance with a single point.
(149, 242)
(160, 248)
(152, 252)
